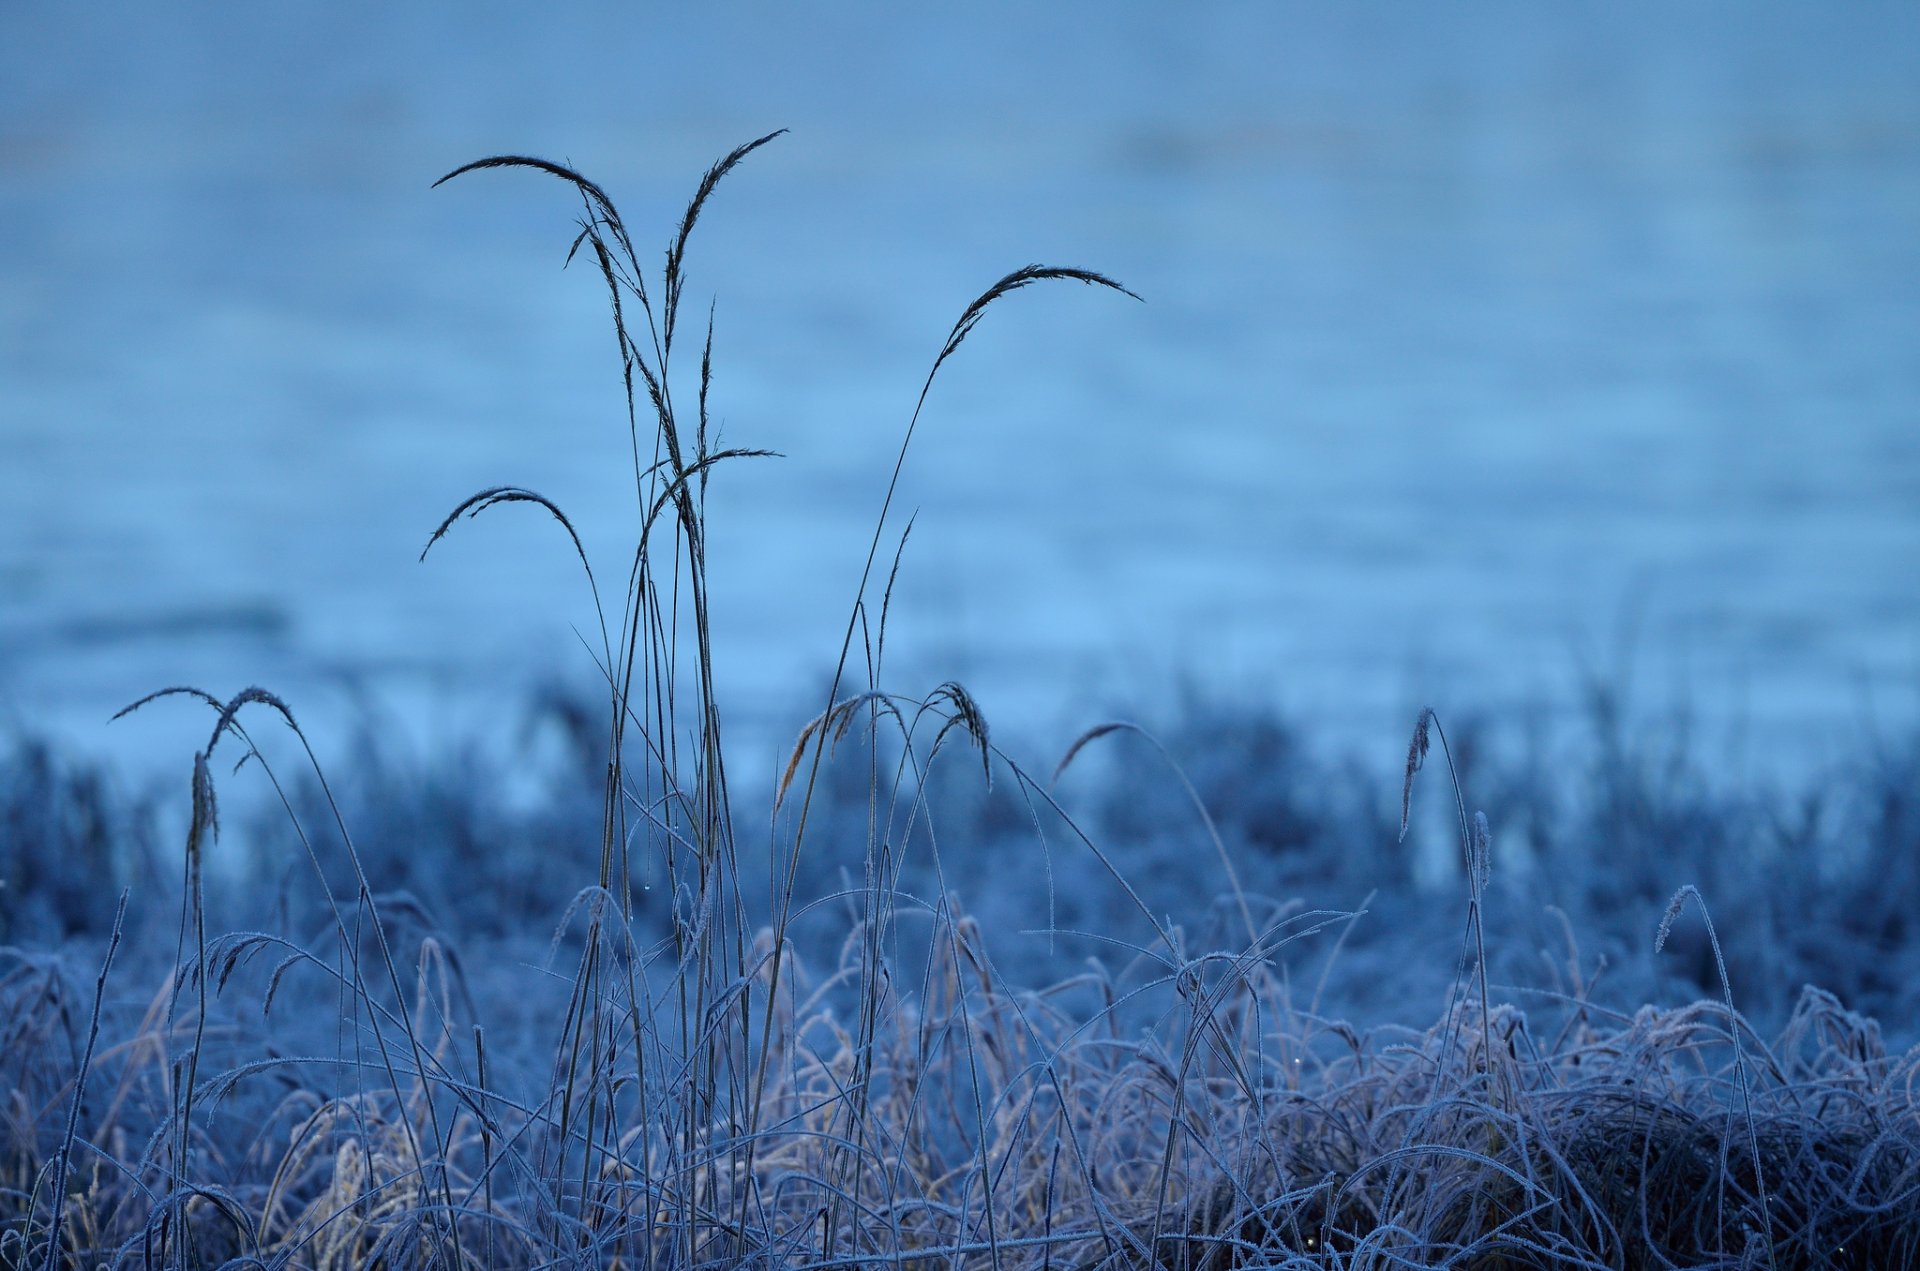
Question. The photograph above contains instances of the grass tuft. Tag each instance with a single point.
(817, 1058)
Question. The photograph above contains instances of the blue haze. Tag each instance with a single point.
(1482, 349)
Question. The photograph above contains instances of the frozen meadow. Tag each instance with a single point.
(1552, 376)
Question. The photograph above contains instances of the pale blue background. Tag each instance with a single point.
(1483, 344)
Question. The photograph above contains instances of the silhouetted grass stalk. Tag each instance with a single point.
(713, 1099)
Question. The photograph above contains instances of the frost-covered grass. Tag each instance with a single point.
(1182, 998)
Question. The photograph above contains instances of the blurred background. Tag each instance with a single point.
(1487, 353)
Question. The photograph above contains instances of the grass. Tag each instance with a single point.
(789, 1041)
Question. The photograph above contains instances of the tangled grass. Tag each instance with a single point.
(773, 1073)
(1189, 1116)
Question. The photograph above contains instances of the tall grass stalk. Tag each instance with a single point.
(717, 1092)
(686, 806)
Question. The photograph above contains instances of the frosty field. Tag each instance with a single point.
(1186, 993)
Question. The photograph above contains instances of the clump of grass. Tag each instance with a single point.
(784, 1074)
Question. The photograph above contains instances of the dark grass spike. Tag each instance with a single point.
(630, 354)
(206, 807)
(246, 697)
(869, 655)
(1025, 276)
(596, 197)
(474, 504)
(178, 690)
(1081, 742)
(674, 489)
(966, 715)
(667, 429)
(656, 393)
(204, 822)
(613, 276)
(587, 230)
(620, 268)
(706, 383)
(1416, 756)
(968, 319)
(279, 973)
(601, 212)
(203, 696)
(676, 255)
